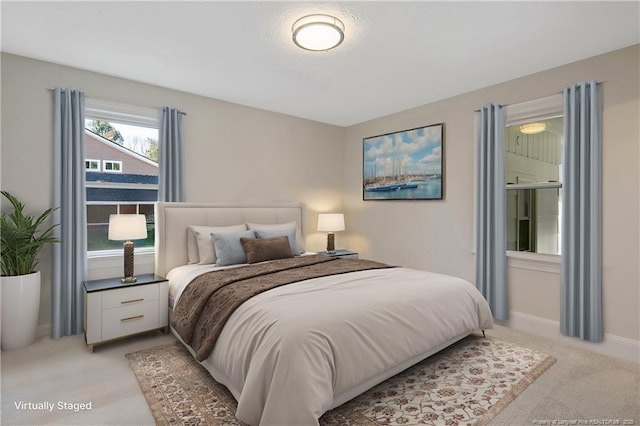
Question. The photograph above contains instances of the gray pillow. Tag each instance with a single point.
(199, 245)
(261, 249)
(289, 233)
(281, 226)
(229, 250)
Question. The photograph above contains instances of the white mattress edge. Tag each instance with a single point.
(218, 376)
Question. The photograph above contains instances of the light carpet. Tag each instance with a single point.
(466, 384)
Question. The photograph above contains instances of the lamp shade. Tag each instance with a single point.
(127, 227)
(331, 222)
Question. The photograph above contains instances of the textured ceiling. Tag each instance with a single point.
(396, 55)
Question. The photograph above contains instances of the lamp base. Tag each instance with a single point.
(331, 243)
(128, 263)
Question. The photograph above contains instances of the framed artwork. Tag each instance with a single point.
(405, 165)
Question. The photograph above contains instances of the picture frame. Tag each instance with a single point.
(404, 165)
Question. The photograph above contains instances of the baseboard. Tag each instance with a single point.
(612, 345)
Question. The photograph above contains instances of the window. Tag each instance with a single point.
(113, 166)
(92, 165)
(124, 139)
(533, 145)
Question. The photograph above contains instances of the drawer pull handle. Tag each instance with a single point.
(131, 301)
(132, 318)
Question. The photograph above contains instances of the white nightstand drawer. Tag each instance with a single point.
(130, 296)
(114, 309)
(130, 319)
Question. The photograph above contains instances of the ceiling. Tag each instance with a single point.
(396, 55)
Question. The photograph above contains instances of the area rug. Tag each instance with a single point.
(466, 384)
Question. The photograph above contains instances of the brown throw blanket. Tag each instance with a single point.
(210, 299)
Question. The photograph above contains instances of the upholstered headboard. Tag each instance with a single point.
(172, 220)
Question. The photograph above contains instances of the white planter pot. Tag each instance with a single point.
(20, 297)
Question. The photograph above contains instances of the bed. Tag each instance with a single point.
(295, 351)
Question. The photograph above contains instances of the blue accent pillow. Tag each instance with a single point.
(289, 233)
(229, 250)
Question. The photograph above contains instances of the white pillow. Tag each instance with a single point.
(280, 227)
(199, 244)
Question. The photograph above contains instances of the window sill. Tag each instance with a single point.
(534, 261)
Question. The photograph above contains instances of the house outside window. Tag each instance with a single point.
(125, 140)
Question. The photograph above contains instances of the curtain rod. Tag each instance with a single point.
(557, 93)
(181, 112)
(506, 105)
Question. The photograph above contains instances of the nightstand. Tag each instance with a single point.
(345, 254)
(113, 309)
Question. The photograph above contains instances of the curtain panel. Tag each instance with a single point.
(491, 231)
(171, 167)
(581, 285)
(70, 255)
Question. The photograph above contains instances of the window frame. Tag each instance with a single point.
(520, 113)
(112, 162)
(90, 160)
(98, 109)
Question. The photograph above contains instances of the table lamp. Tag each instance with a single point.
(127, 227)
(331, 222)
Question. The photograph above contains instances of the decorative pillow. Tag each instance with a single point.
(199, 244)
(261, 249)
(289, 233)
(228, 247)
(299, 242)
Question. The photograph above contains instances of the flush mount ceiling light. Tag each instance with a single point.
(318, 32)
(533, 128)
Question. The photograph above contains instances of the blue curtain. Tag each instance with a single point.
(171, 179)
(491, 231)
(581, 301)
(70, 255)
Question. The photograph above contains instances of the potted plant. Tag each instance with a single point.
(21, 242)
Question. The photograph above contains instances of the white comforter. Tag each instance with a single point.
(292, 353)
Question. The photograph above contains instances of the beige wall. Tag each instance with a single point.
(232, 152)
(236, 153)
(438, 235)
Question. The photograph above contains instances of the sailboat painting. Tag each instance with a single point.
(405, 165)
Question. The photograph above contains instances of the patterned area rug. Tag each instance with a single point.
(465, 384)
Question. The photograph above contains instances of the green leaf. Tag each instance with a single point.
(20, 240)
